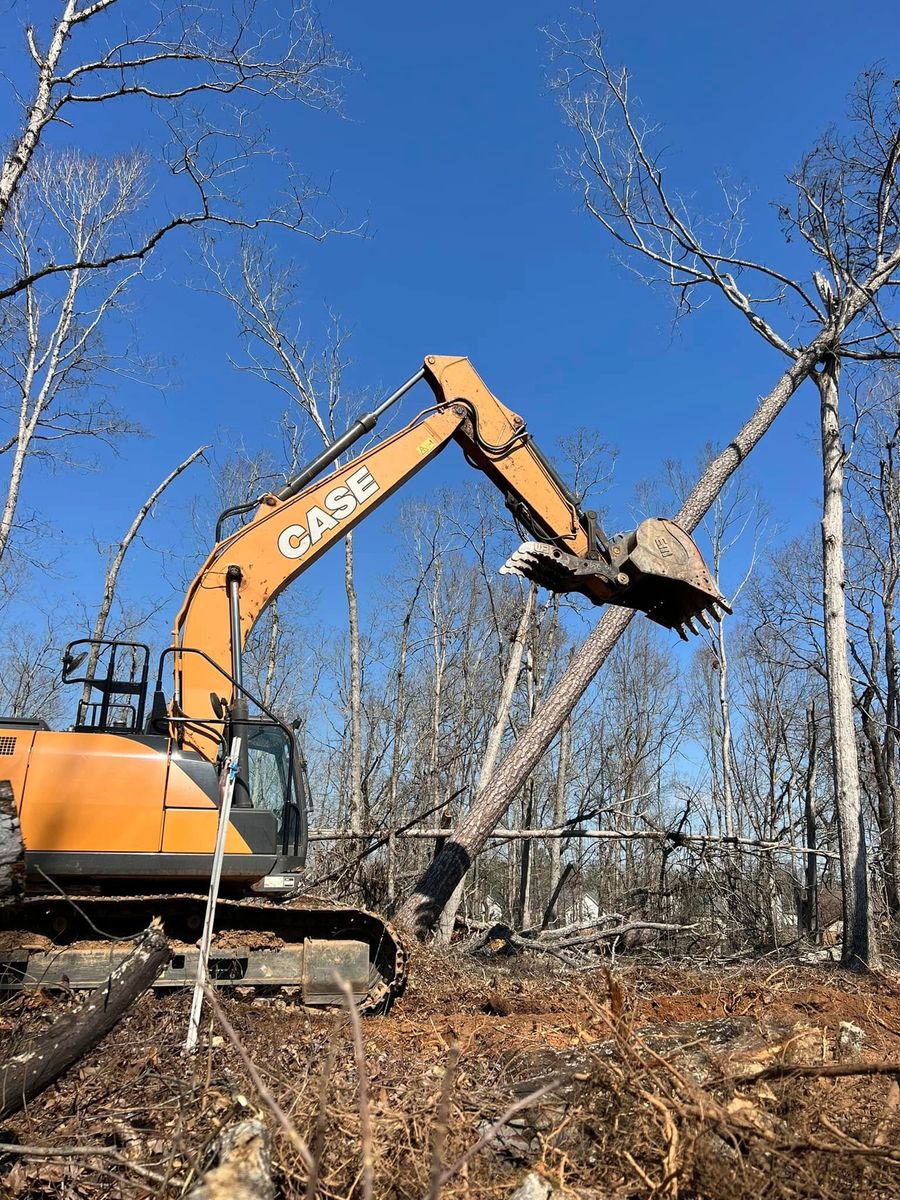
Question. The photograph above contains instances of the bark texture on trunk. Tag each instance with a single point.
(244, 1166)
(423, 907)
(12, 869)
(40, 112)
(357, 800)
(859, 947)
(72, 1035)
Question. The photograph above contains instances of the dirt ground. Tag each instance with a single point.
(648, 1081)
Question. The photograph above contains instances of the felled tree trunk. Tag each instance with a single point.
(72, 1035)
(423, 906)
(12, 868)
(244, 1168)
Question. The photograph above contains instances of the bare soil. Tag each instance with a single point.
(640, 1082)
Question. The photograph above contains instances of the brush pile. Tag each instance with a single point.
(490, 1079)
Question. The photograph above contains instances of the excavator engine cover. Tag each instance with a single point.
(655, 569)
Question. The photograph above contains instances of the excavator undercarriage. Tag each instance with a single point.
(303, 944)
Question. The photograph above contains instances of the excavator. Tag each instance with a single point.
(119, 813)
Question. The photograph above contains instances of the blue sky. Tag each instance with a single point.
(448, 145)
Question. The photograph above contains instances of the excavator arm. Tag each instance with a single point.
(655, 568)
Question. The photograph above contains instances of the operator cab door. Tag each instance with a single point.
(276, 783)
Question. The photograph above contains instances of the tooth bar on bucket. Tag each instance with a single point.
(656, 569)
(256, 945)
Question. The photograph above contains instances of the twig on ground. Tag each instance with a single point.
(365, 1121)
(318, 1146)
(819, 1070)
(109, 1152)
(287, 1125)
(491, 1133)
(442, 1123)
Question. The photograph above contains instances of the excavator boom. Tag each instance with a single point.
(656, 568)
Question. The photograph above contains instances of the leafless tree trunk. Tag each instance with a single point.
(809, 906)
(195, 67)
(859, 946)
(52, 348)
(494, 741)
(39, 112)
(727, 756)
(357, 800)
(72, 1035)
(115, 566)
(268, 693)
(559, 814)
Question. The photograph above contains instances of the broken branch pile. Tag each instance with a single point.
(576, 945)
(670, 1083)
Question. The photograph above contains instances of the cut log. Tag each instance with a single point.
(244, 1166)
(72, 1035)
(12, 868)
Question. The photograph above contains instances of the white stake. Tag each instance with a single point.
(229, 776)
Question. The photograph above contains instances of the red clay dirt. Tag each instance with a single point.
(644, 1067)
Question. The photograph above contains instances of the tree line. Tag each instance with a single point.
(466, 699)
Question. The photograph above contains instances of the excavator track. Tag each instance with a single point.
(303, 943)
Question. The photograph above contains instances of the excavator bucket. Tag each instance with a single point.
(656, 569)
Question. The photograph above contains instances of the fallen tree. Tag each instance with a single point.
(624, 189)
(72, 1035)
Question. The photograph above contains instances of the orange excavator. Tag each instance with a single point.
(119, 814)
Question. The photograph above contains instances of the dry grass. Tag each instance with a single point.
(610, 1086)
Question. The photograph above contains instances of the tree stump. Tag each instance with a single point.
(12, 866)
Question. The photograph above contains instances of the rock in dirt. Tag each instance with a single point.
(534, 1187)
(850, 1041)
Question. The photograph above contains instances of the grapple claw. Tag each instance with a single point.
(656, 569)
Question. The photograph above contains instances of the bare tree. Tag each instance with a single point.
(201, 71)
(495, 737)
(859, 935)
(873, 582)
(850, 194)
(266, 302)
(118, 558)
(55, 364)
(30, 682)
